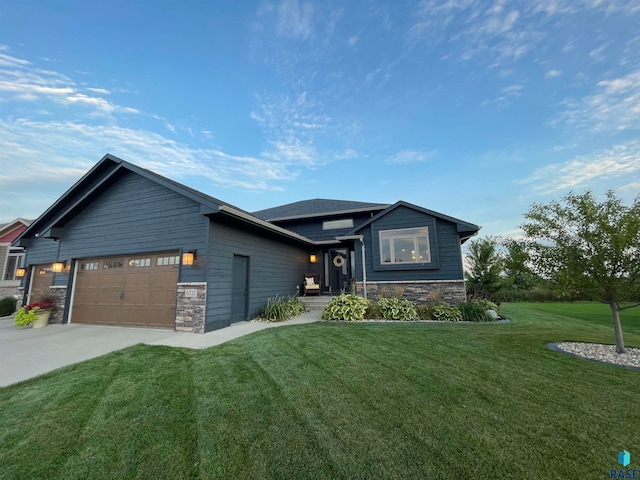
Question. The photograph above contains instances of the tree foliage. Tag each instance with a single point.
(584, 245)
(485, 267)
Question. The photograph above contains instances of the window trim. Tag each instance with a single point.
(19, 263)
(396, 233)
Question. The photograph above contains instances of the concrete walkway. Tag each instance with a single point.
(26, 352)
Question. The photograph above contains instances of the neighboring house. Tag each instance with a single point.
(11, 258)
(126, 246)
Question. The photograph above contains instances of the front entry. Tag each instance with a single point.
(239, 288)
(339, 270)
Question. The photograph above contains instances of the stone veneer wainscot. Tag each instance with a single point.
(421, 292)
(191, 310)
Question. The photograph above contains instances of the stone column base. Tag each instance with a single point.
(191, 307)
(422, 292)
(59, 295)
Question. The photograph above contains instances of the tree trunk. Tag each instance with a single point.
(617, 327)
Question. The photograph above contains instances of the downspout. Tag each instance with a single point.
(364, 269)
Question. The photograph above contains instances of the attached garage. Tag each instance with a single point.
(135, 290)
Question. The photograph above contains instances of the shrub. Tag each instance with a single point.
(346, 307)
(279, 308)
(425, 312)
(474, 311)
(7, 306)
(397, 309)
(488, 305)
(373, 312)
(446, 314)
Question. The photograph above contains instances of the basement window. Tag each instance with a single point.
(403, 246)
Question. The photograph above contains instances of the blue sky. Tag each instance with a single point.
(473, 108)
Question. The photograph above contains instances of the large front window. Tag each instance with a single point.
(406, 245)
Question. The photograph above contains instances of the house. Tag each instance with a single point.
(126, 246)
(11, 258)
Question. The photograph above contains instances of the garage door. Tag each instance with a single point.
(135, 290)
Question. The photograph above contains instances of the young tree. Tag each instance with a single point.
(485, 266)
(584, 245)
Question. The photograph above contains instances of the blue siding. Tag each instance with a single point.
(132, 215)
(312, 227)
(275, 268)
(444, 242)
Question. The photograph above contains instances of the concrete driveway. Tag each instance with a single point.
(26, 352)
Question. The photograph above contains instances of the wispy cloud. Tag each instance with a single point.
(553, 73)
(295, 19)
(411, 156)
(613, 105)
(21, 80)
(70, 148)
(621, 160)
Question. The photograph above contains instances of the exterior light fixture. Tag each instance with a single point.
(188, 258)
(313, 258)
(20, 272)
(57, 267)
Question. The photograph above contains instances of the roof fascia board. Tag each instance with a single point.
(402, 203)
(327, 214)
(78, 202)
(225, 209)
(107, 158)
(171, 186)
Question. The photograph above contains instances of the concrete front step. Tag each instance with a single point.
(316, 303)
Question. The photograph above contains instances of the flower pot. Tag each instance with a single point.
(42, 319)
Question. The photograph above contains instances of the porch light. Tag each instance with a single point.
(313, 258)
(20, 272)
(57, 267)
(188, 258)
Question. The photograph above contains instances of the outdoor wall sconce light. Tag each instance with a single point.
(188, 258)
(313, 258)
(57, 267)
(20, 272)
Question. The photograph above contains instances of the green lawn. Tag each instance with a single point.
(333, 400)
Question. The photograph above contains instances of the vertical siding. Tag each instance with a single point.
(444, 242)
(275, 268)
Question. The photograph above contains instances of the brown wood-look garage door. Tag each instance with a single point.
(134, 290)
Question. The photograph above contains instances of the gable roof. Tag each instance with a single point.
(85, 189)
(317, 207)
(13, 224)
(465, 229)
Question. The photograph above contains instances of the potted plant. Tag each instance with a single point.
(35, 314)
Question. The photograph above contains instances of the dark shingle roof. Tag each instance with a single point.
(315, 207)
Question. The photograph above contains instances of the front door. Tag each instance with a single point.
(239, 288)
(339, 271)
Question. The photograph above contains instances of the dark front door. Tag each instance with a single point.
(338, 266)
(239, 288)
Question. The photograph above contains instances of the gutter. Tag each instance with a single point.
(261, 223)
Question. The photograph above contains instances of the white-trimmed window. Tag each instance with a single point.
(405, 245)
(336, 224)
(14, 261)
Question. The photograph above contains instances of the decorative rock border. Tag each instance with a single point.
(600, 353)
